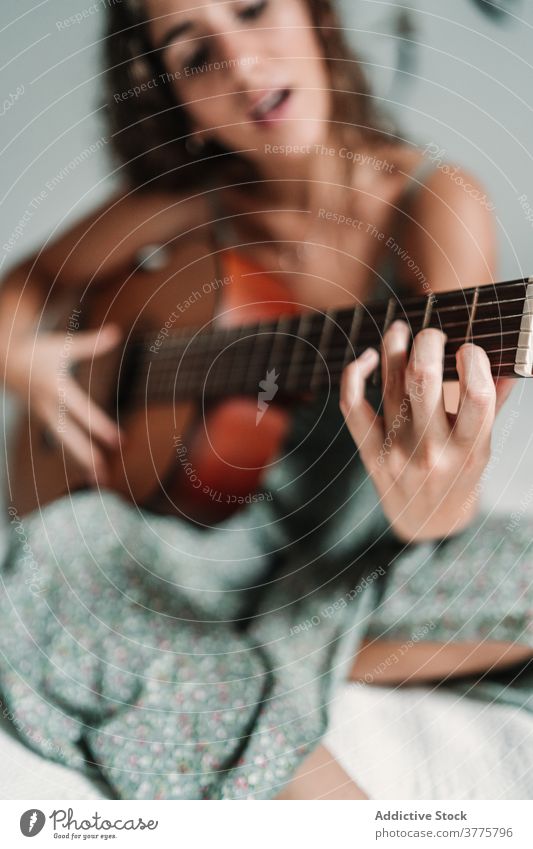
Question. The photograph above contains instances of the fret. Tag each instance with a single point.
(353, 334)
(244, 352)
(473, 308)
(323, 343)
(249, 352)
(339, 346)
(298, 350)
(216, 366)
(191, 363)
(186, 378)
(269, 332)
(257, 358)
(389, 314)
(231, 355)
(309, 335)
(281, 337)
(523, 364)
(428, 312)
(185, 383)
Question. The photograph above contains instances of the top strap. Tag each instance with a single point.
(222, 229)
(416, 181)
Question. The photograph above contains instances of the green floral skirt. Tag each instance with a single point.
(181, 663)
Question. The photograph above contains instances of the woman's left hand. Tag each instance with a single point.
(425, 463)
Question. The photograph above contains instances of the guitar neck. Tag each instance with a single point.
(308, 352)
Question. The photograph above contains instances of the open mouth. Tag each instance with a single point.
(270, 106)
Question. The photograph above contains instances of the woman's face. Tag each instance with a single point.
(250, 72)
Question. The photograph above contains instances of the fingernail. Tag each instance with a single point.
(399, 324)
(368, 355)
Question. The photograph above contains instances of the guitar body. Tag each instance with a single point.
(199, 461)
(200, 458)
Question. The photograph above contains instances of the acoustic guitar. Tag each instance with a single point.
(203, 387)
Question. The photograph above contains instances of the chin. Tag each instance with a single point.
(312, 132)
(308, 126)
(298, 138)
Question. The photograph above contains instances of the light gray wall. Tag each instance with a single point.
(470, 93)
(55, 119)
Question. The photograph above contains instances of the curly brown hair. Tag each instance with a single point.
(150, 130)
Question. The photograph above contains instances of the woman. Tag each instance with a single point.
(191, 663)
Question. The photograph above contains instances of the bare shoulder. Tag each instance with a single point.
(450, 231)
(107, 240)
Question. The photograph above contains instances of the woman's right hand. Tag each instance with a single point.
(39, 372)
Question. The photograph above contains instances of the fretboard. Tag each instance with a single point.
(308, 352)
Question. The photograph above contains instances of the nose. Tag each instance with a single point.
(243, 58)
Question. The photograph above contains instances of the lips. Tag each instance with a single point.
(269, 106)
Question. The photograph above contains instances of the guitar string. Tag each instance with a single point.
(184, 337)
(187, 360)
(375, 309)
(235, 335)
(331, 373)
(344, 339)
(339, 343)
(196, 372)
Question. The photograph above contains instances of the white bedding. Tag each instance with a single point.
(411, 743)
(422, 743)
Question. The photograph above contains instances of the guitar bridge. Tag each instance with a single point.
(524, 352)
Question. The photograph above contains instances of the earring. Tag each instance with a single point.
(195, 145)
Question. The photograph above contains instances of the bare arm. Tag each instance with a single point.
(106, 240)
(31, 360)
(452, 239)
(93, 250)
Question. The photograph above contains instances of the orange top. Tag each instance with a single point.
(252, 291)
